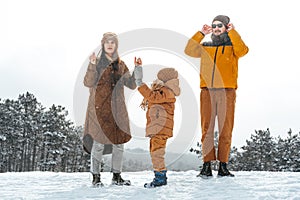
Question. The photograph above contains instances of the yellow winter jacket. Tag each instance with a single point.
(219, 64)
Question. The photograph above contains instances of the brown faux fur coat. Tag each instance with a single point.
(107, 119)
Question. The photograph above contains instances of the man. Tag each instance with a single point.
(218, 83)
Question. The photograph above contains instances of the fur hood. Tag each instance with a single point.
(173, 84)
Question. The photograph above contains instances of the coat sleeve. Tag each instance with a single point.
(239, 47)
(91, 76)
(161, 96)
(128, 79)
(193, 47)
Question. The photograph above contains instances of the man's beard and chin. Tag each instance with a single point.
(220, 38)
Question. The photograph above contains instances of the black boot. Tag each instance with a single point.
(223, 171)
(96, 180)
(117, 180)
(205, 171)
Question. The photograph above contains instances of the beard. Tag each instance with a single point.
(221, 39)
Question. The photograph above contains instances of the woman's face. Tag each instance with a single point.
(109, 47)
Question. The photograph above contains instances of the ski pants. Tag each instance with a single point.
(218, 103)
(97, 153)
(157, 151)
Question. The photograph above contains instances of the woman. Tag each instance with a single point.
(107, 121)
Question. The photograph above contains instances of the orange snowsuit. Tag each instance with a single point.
(160, 121)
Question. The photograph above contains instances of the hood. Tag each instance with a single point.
(173, 84)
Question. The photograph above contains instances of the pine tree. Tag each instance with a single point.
(10, 130)
(32, 138)
(258, 153)
(288, 153)
(54, 138)
(30, 111)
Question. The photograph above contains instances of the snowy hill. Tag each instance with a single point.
(139, 160)
(181, 185)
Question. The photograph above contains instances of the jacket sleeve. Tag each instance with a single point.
(91, 76)
(128, 79)
(239, 47)
(161, 96)
(193, 47)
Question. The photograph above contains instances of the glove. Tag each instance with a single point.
(138, 75)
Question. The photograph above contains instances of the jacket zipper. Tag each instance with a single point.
(214, 68)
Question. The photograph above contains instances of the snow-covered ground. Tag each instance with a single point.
(181, 185)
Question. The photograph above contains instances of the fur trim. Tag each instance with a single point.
(156, 85)
(174, 86)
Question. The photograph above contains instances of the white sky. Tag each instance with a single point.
(43, 45)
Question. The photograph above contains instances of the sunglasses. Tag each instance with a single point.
(217, 25)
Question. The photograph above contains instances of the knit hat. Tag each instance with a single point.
(222, 18)
(110, 36)
(167, 74)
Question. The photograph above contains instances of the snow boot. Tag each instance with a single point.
(159, 180)
(96, 180)
(223, 171)
(117, 180)
(206, 171)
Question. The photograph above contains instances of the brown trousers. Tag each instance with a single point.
(157, 152)
(217, 103)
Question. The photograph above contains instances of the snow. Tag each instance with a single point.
(181, 185)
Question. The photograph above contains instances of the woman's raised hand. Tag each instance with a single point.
(137, 62)
(93, 58)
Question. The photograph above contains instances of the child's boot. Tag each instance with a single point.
(159, 180)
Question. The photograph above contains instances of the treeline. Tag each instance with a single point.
(264, 153)
(35, 138)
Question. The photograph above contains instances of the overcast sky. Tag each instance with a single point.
(44, 44)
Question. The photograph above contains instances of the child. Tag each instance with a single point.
(160, 104)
